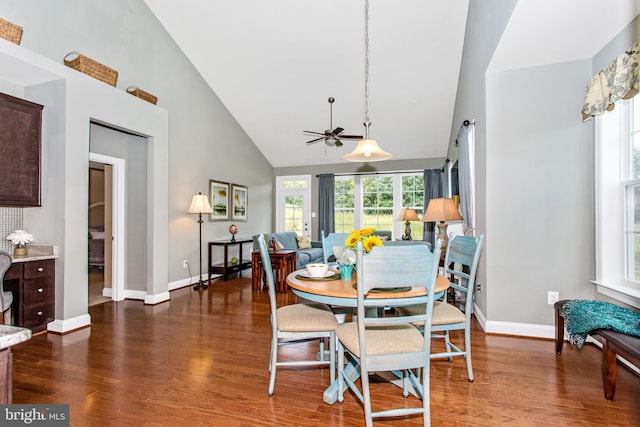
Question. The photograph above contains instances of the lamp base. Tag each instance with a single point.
(200, 286)
(407, 231)
(442, 234)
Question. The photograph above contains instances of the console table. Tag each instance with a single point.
(283, 262)
(226, 267)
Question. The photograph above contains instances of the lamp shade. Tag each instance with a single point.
(441, 210)
(199, 204)
(367, 150)
(407, 215)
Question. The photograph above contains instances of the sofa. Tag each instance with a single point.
(289, 240)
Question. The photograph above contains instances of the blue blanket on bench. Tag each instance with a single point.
(583, 316)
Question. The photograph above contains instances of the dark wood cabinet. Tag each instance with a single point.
(20, 151)
(33, 285)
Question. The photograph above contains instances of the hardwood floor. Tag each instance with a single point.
(201, 360)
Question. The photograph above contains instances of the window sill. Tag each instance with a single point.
(624, 293)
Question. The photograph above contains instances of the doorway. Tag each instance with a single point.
(106, 228)
(293, 204)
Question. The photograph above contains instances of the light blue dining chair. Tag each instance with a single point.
(460, 266)
(297, 323)
(377, 343)
(329, 241)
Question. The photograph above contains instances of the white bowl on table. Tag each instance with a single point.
(317, 269)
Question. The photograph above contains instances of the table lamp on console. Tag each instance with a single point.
(407, 215)
(440, 211)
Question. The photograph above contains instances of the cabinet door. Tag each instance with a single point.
(20, 151)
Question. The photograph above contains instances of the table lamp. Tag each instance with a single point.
(199, 205)
(407, 215)
(440, 211)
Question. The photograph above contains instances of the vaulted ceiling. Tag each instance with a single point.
(274, 64)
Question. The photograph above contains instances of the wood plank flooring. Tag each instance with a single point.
(201, 360)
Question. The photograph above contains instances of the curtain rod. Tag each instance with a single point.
(372, 173)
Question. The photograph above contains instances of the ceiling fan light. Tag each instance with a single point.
(367, 150)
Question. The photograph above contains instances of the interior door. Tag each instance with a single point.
(293, 211)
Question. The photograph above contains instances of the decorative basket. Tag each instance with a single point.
(135, 91)
(92, 68)
(10, 31)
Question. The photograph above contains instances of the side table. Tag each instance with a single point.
(283, 263)
(226, 268)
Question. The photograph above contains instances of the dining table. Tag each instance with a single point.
(334, 291)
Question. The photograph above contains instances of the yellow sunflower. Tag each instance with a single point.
(365, 236)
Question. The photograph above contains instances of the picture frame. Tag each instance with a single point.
(219, 197)
(239, 203)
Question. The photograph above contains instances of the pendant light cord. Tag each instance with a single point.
(366, 68)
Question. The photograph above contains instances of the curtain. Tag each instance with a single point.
(466, 176)
(326, 206)
(432, 190)
(616, 81)
(455, 187)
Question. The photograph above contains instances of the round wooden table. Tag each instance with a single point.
(343, 293)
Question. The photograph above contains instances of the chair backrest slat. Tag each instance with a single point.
(268, 273)
(5, 263)
(331, 240)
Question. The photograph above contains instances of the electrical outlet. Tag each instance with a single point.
(552, 297)
(479, 287)
(185, 263)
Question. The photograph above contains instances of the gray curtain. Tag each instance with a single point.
(455, 187)
(432, 190)
(466, 154)
(326, 206)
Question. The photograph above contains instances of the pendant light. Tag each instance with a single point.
(367, 150)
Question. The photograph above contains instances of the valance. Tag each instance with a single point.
(618, 80)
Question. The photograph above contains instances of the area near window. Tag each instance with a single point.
(618, 202)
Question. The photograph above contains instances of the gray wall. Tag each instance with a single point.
(535, 175)
(205, 141)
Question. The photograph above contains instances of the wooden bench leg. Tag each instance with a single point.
(559, 326)
(609, 370)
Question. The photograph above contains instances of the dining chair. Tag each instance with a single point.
(460, 266)
(297, 323)
(6, 297)
(375, 342)
(329, 241)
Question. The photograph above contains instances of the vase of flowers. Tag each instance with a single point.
(20, 239)
(346, 255)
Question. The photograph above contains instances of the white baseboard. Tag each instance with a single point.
(62, 326)
(107, 292)
(511, 328)
(157, 298)
(180, 283)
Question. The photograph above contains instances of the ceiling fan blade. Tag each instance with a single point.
(310, 132)
(351, 136)
(315, 140)
(337, 131)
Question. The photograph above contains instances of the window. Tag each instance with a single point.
(631, 182)
(344, 201)
(618, 202)
(375, 200)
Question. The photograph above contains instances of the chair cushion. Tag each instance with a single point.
(382, 339)
(306, 318)
(445, 314)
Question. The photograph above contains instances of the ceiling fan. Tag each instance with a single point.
(331, 137)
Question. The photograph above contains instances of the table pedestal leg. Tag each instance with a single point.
(330, 395)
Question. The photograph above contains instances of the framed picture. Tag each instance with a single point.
(239, 202)
(219, 197)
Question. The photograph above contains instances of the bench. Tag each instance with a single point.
(613, 344)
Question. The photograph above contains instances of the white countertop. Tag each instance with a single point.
(12, 335)
(37, 252)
